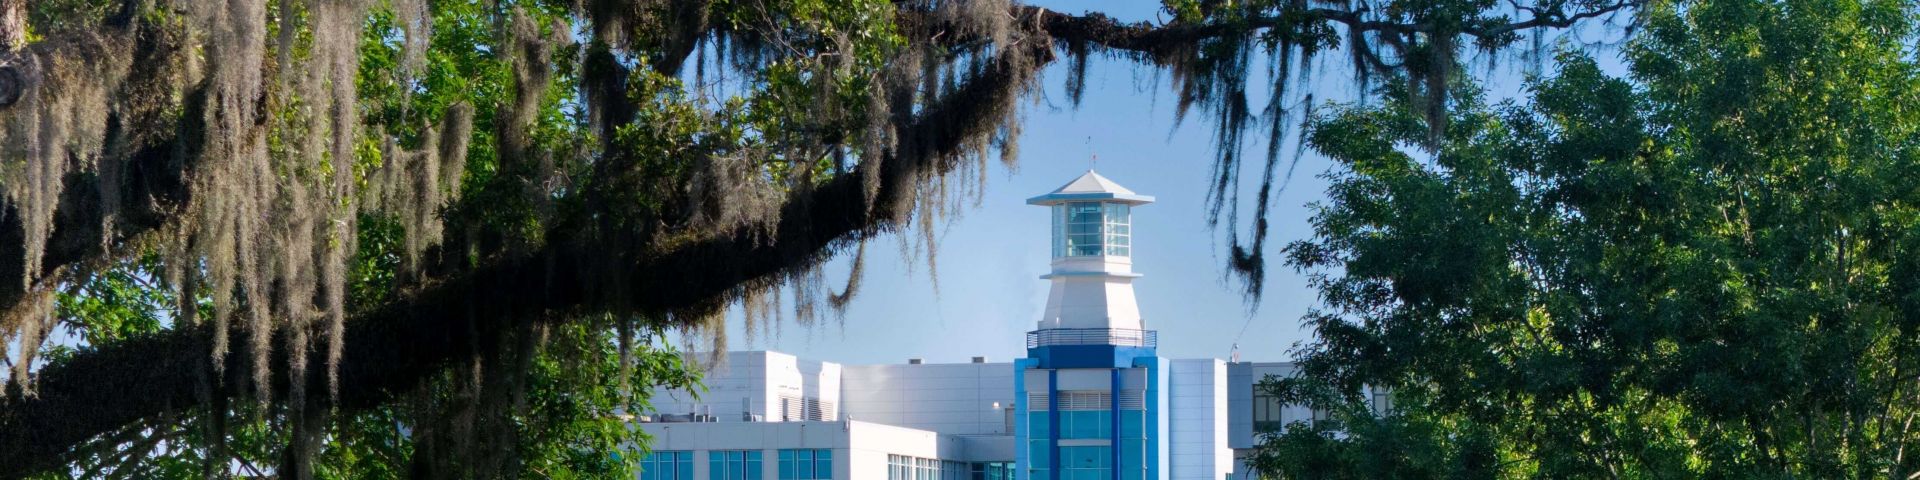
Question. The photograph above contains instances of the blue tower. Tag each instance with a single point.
(1090, 396)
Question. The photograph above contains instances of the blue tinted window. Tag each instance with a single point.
(667, 465)
(1082, 229)
(1086, 424)
(1039, 425)
(1133, 424)
(1086, 463)
(733, 465)
(1133, 454)
(806, 464)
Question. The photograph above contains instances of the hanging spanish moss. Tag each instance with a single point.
(26, 326)
(57, 129)
(279, 148)
(418, 184)
(903, 89)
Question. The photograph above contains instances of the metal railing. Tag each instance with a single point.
(1093, 336)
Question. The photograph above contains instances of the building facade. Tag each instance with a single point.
(1092, 400)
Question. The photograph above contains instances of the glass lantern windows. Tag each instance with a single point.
(1119, 222)
(1090, 229)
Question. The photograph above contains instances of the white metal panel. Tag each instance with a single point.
(1198, 431)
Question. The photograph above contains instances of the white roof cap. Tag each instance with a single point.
(1091, 187)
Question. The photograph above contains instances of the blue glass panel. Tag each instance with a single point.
(1132, 454)
(1083, 212)
(1086, 424)
(823, 463)
(1133, 424)
(1039, 425)
(1100, 457)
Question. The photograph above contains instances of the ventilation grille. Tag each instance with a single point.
(805, 409)
(1086, 400)
(1133, 400)
(1037, 401)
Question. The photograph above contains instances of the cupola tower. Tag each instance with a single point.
(1090, 302)
(1092, 277)
(1089, 396)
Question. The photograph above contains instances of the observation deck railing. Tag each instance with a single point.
(1093, 336)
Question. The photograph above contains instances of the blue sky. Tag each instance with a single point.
(990, 257)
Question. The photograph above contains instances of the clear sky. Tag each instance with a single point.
(990, 257)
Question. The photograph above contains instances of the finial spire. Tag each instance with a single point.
(1092, 156)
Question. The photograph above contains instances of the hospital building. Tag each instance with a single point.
(1091, 400)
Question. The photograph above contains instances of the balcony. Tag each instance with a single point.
(1093, 336)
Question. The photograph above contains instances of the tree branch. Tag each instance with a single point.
(152, 183)
(392, 348)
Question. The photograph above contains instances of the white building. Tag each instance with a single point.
(1092, 399)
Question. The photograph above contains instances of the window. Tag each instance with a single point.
(1038, 459)
(1086, 463)
(1086, 424)
(667, 465)
(992, 471)
(1119, 229)
(1083, 229)
(1039, 425)
(1382, 402)
(897, 467)
(1132, 461)
(1267, 412)
(1087, 229)
(733, 465)
(903, 467)
(1086, 414)
(1133, 424)
(806, 464)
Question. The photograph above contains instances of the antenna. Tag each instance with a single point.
(1092, 157)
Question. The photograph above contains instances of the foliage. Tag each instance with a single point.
(1703, 269)
(524, 196)
(1415, 47)
(576, 426)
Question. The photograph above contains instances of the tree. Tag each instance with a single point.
(1703, 269)
(532, 167)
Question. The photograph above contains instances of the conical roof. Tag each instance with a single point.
(1091, 187)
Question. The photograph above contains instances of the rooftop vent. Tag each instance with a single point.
(979, 359)
(913, 361)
